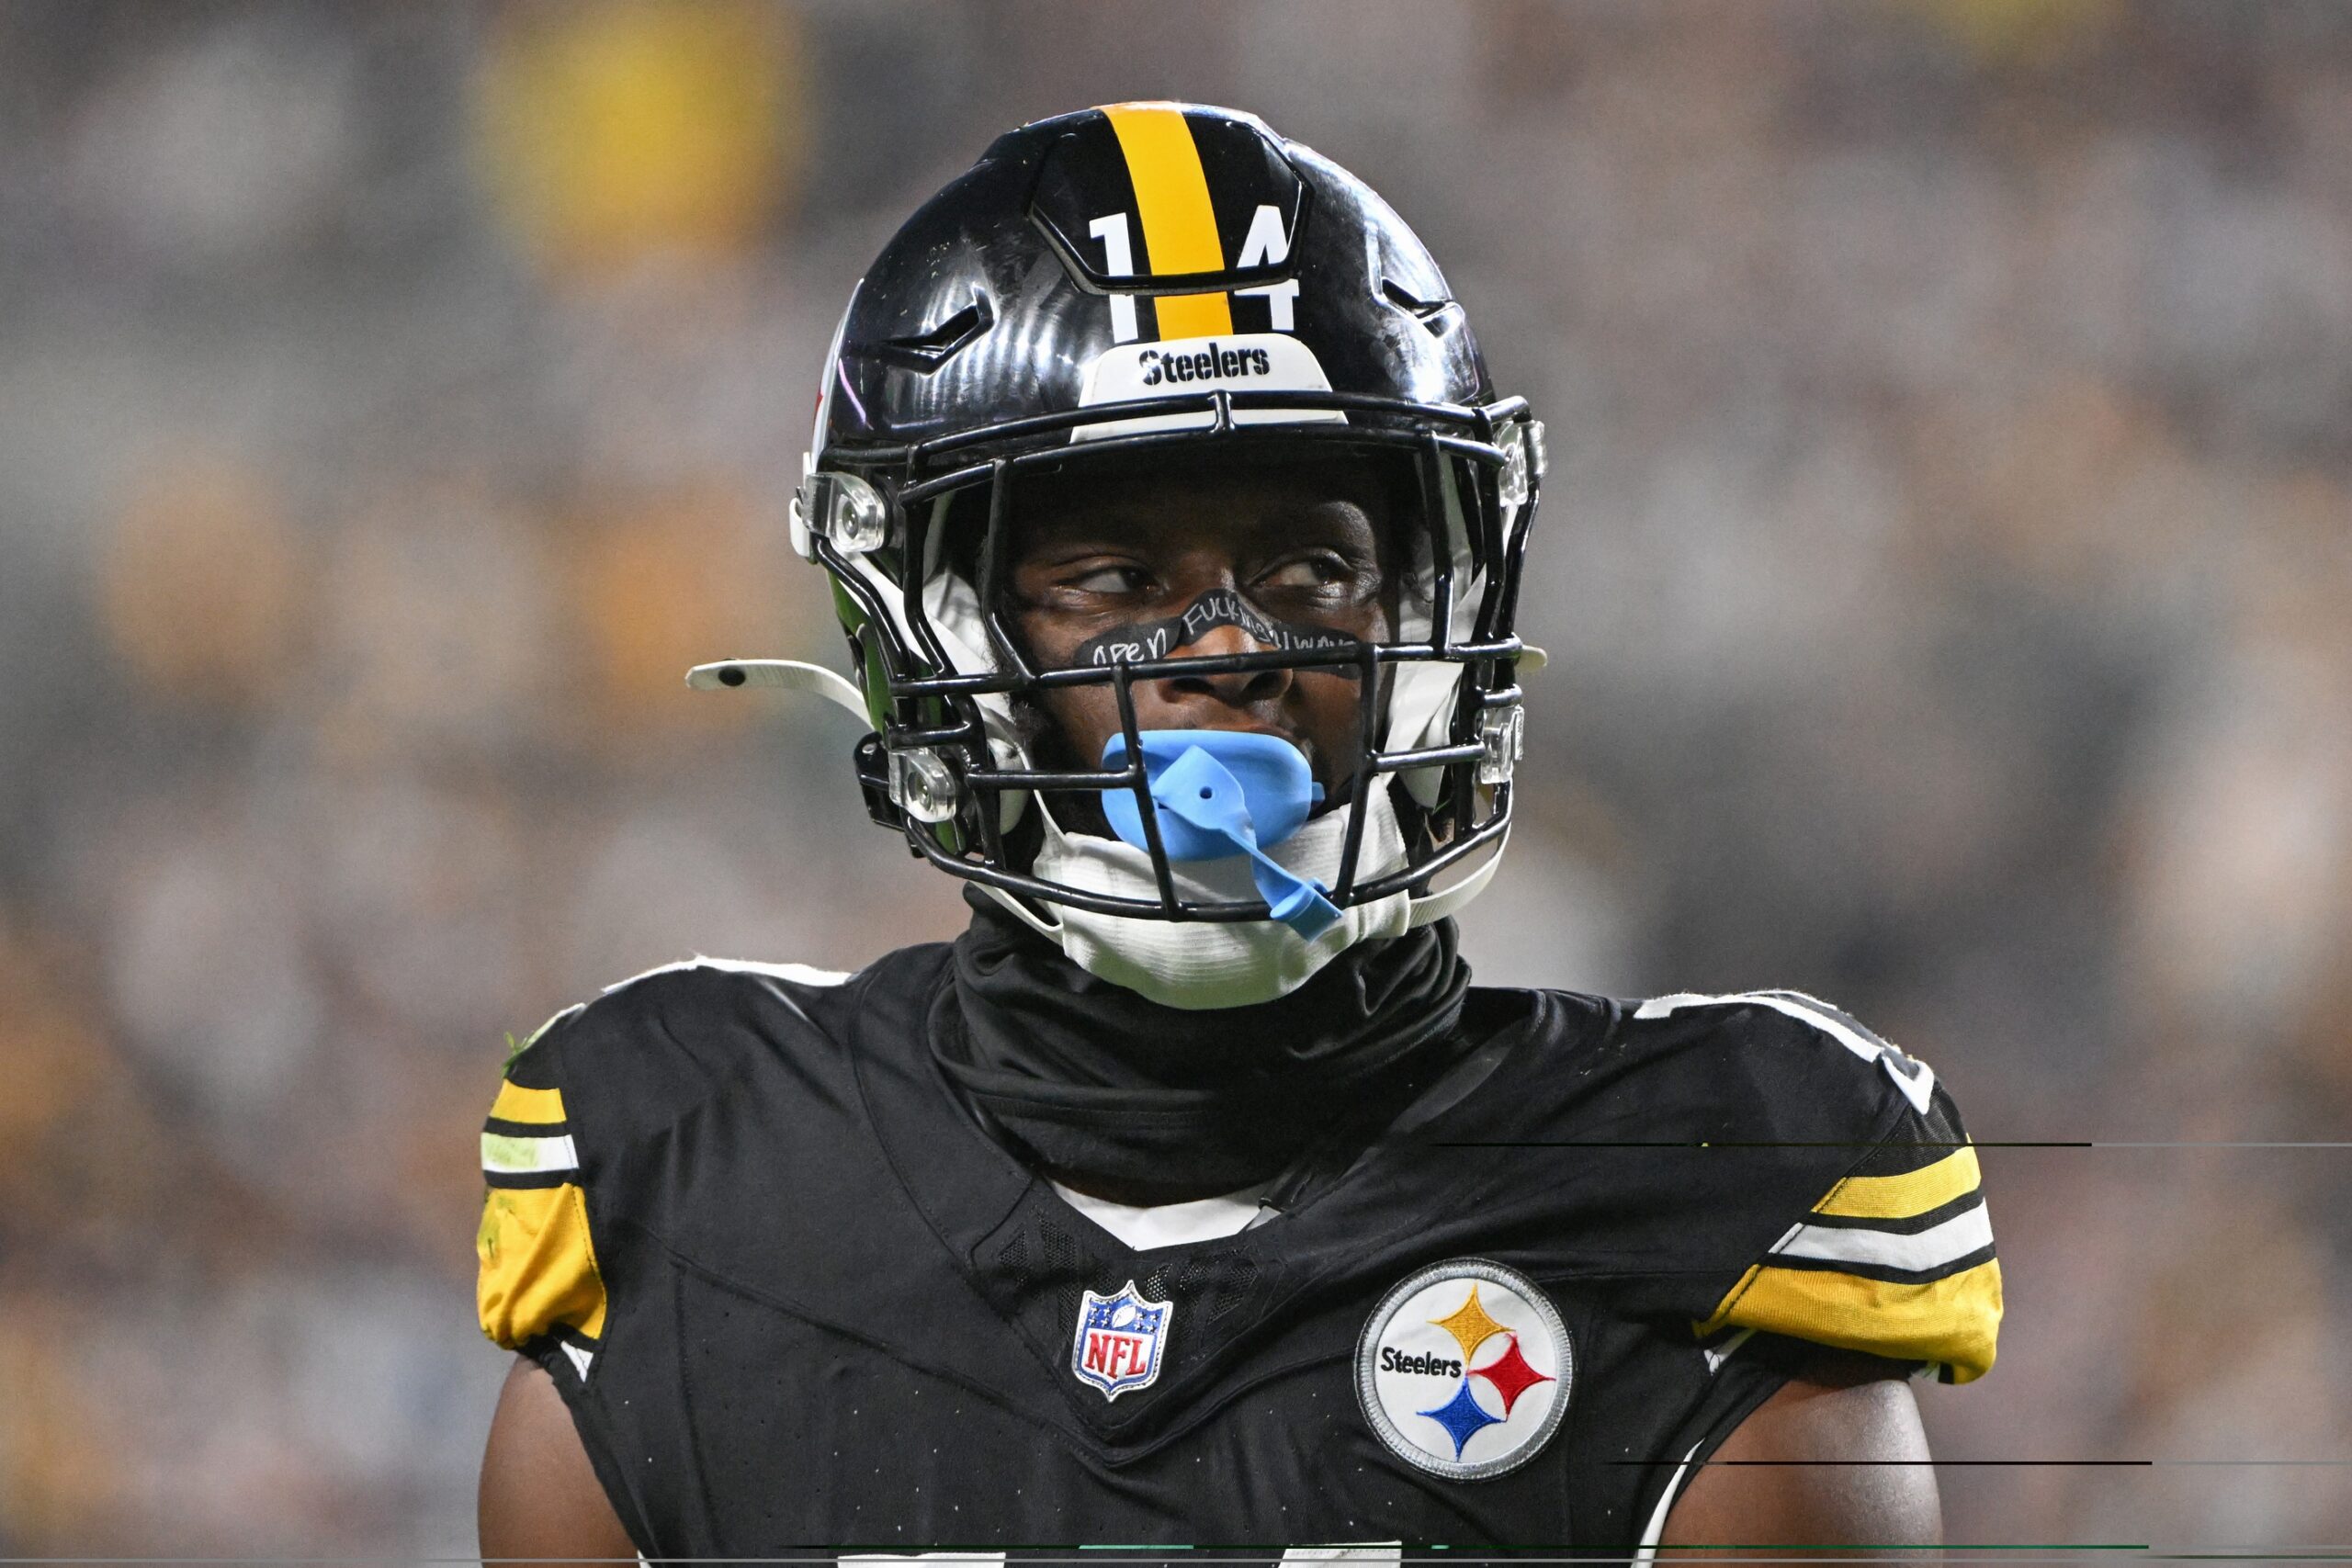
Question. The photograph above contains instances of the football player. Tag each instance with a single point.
(1194, 1196)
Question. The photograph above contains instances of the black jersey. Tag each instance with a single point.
(797, 1298)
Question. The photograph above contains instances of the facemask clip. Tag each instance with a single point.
(845, 509)
(922, 785)
(1502, 735)
(1524, 460)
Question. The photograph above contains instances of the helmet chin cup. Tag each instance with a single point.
(1220, 963)
(1216, 793)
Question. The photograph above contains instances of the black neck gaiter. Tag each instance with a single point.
(1144, 1103)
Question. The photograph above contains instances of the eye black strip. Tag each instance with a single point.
(1140, 640)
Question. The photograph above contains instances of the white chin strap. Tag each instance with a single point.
(780, 674)
(1200, 965)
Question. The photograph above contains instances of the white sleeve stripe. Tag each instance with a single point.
(579, 1358)
(505, 1156)
(1917, 1086)
(1917, 1252)
(1715, 1359)
(1656, 1527)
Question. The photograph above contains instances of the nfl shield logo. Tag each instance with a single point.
(1120, 1340)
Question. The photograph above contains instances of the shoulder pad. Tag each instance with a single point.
(589, 1084)
(1820, 1022)
(797, 974)
(1897, 1258)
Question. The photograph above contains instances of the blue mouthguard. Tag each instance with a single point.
(1221, 793)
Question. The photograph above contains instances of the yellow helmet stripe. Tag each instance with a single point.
(1172, 203)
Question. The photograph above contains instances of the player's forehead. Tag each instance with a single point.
(1242, 501)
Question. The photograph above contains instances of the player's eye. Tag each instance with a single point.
(1314, 571)
(1118, 577)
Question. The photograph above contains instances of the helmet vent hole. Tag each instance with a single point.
(925, 352)
(1430, 313)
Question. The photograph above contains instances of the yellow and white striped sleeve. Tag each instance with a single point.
(538, 1274)
(1898, 1261)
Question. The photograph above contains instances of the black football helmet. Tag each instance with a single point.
(1132, 281)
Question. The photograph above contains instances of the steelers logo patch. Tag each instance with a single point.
(1464, 1370)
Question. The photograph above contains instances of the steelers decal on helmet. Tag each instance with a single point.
(1244, 362)
(1464, 1370)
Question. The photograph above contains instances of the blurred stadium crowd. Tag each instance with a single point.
(1947, 572)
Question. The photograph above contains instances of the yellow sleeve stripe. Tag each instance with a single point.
(1179, 220)
(516, 1104)
(1900, 1196)
(1955, 1320)
(538, 1266)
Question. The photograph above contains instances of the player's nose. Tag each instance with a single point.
(1239, 688)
